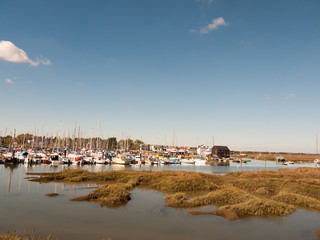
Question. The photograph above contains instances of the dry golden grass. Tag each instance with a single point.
(238, 194)
(26, 236)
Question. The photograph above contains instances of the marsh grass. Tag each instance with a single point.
(52, 194)
(238, 194)
(294, 157)
(26, 236)
(297, 200)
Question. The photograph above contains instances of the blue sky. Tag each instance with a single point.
(246, 72)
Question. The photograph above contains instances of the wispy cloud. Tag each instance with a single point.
(81, 83)
(9, 81)
(205, 1)
(11, 53)
(266, 96)
(216, 22)
(192, 30)
(289, 96)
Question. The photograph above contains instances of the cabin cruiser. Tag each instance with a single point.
(164, 161)
(139, 159)
(55, 158)
(21, 156)
(200, 161)
(121, 160)
(98, 158)
(187, 161)
(174, 160)
(88, 160)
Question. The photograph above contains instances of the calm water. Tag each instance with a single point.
(23, 204)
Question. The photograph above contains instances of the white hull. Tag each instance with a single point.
(121, 161)
(99, 161)
(187, 161)
(56, 162)
(200, 162)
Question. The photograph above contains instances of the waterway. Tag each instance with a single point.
(24, 204)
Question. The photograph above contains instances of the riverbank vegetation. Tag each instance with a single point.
(26, 236)
(293, 157)
(236, 194)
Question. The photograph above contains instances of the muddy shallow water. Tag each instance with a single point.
(24, 204)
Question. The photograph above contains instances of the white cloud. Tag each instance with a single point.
(216, 22)
(11, 53)
(192, 30)
(289, 96)
(9, 81)
(44, 61)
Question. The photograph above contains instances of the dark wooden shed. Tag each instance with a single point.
(220, 151)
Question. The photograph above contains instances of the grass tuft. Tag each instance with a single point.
(52, 194)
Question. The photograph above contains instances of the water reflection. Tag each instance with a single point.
(24, 205)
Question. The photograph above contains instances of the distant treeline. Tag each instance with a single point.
(29, 140)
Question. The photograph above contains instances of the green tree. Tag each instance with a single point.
(23, 138)
(137, 144)
(111, 143)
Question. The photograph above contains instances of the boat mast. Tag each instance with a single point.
(13, 141)
(74, 135)
(78, 142)
(91, 139)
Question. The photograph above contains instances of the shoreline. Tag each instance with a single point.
(293, 157)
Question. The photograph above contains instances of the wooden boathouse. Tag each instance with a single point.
(220, 151)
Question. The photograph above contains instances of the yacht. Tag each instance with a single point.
(187, 161)
(122, 161)
(200, 161)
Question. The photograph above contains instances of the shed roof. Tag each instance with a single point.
(221, 148)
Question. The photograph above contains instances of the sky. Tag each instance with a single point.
(244, 73)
